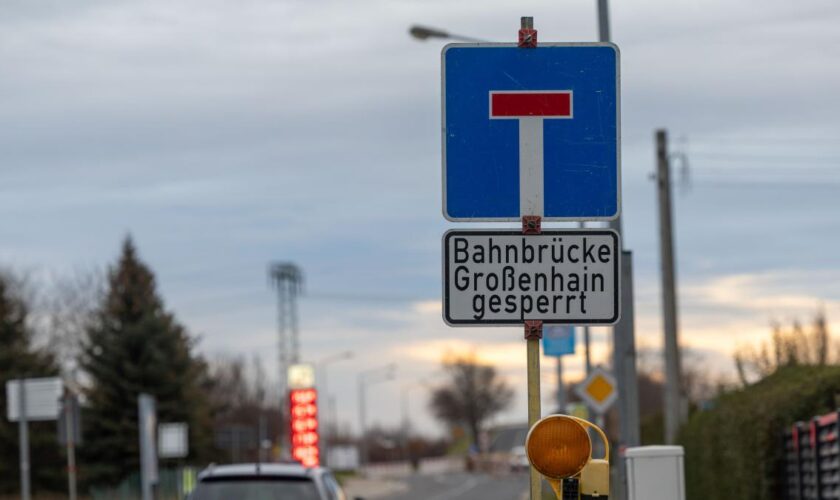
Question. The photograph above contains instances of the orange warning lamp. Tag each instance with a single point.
(559, 448)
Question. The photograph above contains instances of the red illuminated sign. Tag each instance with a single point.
(303, 412)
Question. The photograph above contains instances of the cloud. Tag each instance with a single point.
(225, 136)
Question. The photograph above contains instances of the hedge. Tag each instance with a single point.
(734, 449)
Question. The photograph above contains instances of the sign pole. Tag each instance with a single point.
(473, 259)
(533, 334)
(147, 420)
(70, 430)
(362, 424)
(23, 432)
(561, 389)
(531, 203)
(532, 224)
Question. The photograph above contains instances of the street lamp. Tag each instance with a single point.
(328, 360)
(424, 33)
(365, 378)
(321, 367)
(406, 424)
(405, 391)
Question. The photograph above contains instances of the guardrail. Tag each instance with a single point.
(811, 465)
(440, 465)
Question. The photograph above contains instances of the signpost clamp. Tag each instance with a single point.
(531, 224)
(533, 329)
(527, 34)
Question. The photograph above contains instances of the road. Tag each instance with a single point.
(463, 486)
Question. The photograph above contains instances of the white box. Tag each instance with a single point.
(655, 473)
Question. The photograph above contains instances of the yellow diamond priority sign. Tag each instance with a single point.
(598, 391)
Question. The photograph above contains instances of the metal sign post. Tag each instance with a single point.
(70, 432)
(23, 435)
(147, 422)
(28, 400)
(531, 208)
(533, 334)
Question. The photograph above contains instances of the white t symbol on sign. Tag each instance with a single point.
(531, 108)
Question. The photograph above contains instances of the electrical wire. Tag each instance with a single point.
(766, 157)
(355, 297)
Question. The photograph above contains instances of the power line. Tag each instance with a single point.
(766, 157)
(722, 140)
(765, 183)
(792, 172)
(356, 297)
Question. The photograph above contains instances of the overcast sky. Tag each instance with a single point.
(224, 135)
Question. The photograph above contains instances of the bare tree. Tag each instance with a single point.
(789, 347)
(243, 406)
(68, 303)
(700, 382)
(472, 394)
(239, 386)
(820, 338)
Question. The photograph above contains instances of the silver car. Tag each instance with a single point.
(286, 481)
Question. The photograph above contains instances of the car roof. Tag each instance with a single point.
(273, 469)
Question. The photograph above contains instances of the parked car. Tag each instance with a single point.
(518, 460)
(287, 481)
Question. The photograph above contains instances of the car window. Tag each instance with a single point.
(251, 488)
(333, 488)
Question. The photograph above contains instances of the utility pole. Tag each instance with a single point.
(287, 279)
(624, 333)
(586, 338)
(604, 21)
(673, 372)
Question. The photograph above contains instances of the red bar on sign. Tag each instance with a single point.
(523, 104)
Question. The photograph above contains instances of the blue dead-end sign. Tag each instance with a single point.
(531, 132)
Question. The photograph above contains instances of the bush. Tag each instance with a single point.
(735, 449)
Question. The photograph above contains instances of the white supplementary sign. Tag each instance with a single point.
(505, 278)
(43, 398)
(173, 440)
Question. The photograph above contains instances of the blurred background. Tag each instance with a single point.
(159, 158)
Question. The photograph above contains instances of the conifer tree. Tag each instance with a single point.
(19, 359)
(135, 346)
